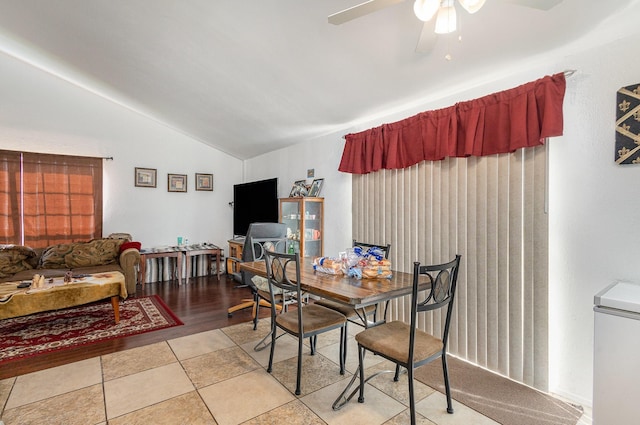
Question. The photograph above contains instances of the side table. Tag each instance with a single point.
(208, 250)
(164, 254)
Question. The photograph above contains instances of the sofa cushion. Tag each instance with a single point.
(94, 253)
(28, 274)
(98, 269)
(14, 259)
(53, 257)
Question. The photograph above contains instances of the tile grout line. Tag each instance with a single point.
(104, 391)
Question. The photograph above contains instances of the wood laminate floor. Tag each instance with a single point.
(201, 304)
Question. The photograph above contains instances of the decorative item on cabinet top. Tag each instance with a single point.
(316, 187)
(299, 189)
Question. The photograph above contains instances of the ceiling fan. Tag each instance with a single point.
(425, 10)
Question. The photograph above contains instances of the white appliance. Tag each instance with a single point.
(616, 360)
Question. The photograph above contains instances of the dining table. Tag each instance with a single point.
(342, 288)
(349, 290)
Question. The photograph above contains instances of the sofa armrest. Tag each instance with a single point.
(129, 259)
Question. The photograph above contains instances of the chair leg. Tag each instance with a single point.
(412, 401)
(343, 348)
(246, 303)
(361, 371)
(256, 310)
(273, 343)
(312, 344)
(298, 377)
(397, 374)
(257, 303)
(445, 372)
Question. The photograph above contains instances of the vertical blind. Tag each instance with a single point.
(491, 210)
(49, 199)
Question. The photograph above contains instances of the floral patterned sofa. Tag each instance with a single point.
(19, 262)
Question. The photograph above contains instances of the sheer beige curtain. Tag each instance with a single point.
(490, 209)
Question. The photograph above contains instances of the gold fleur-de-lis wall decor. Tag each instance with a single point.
(628, 125)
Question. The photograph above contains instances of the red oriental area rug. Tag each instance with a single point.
(72, 327)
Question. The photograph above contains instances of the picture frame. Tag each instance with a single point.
(204, 182)
(176, 182)
(316, 187)
(299, 189)
(145, 177)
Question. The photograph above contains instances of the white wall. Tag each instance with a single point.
(594, 206)
(291, 164)
(593, 202)
(42, 113)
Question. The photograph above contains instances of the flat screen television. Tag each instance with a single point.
(254, 202)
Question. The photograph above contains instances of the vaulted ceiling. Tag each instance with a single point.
(248, 77)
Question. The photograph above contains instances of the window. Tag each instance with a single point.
(49, 199)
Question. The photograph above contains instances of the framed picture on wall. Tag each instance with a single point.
(145, 177)
(204, 181)
(177, 182)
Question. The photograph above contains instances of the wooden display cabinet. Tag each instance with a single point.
(304, 218)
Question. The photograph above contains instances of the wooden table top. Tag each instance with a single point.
(341, 288)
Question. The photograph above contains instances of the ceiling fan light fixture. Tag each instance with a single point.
(425, 9)
(472, 6)
(446, 20)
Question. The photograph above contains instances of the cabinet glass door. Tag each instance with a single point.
(290, 215)
(312, 229)
(303, 217)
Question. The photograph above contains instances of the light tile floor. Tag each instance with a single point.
(217, 377)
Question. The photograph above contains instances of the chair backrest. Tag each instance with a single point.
(260, 246)
(261, 231)
(283, 272)
(384, 248)
(440, 293)
(264, 232)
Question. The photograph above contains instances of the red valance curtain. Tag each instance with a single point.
(497, 123)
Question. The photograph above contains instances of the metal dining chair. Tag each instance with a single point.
(404, 344)
(303, 321)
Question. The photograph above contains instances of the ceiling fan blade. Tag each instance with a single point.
(360, 10)
(536, 4)
(428, 38)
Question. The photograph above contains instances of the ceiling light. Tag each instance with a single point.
(446, 20)
(425, 9)
(472, 6)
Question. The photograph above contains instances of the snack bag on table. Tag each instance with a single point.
(367, 264)
(327, 265)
